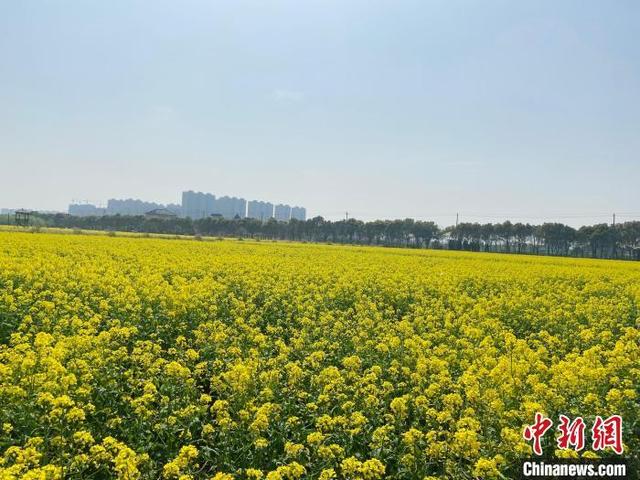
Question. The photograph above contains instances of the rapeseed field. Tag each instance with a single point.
(177, 359)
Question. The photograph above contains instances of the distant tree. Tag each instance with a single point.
(557, 238)
(522, 234)
(598, 241)
(504, 231)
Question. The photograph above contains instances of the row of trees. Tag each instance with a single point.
(598, 241)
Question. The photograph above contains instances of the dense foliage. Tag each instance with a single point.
(147, 358)
(620, 241)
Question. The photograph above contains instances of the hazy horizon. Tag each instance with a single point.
(526, 111)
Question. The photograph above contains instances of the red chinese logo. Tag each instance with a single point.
(608, 433)
(536, 431)
(571, 433)
(604, 434)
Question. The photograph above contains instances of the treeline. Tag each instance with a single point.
(620, 241)
(597, 241)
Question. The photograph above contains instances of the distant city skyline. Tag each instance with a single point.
(194, 205)
(527, 111)
(442, 219)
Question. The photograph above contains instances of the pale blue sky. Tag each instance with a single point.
(382, 108)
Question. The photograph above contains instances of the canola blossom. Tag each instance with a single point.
(176, 359)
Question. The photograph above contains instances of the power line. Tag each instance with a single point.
(493, 215)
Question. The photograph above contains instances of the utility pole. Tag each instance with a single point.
(614, 219)
(346, 216)
(456, 220)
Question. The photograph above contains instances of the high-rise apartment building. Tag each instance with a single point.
(130, 206)
(282, 213)
(86, 210)
(299, 213)
(260, 210)
(197, 204)
(231, 207)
